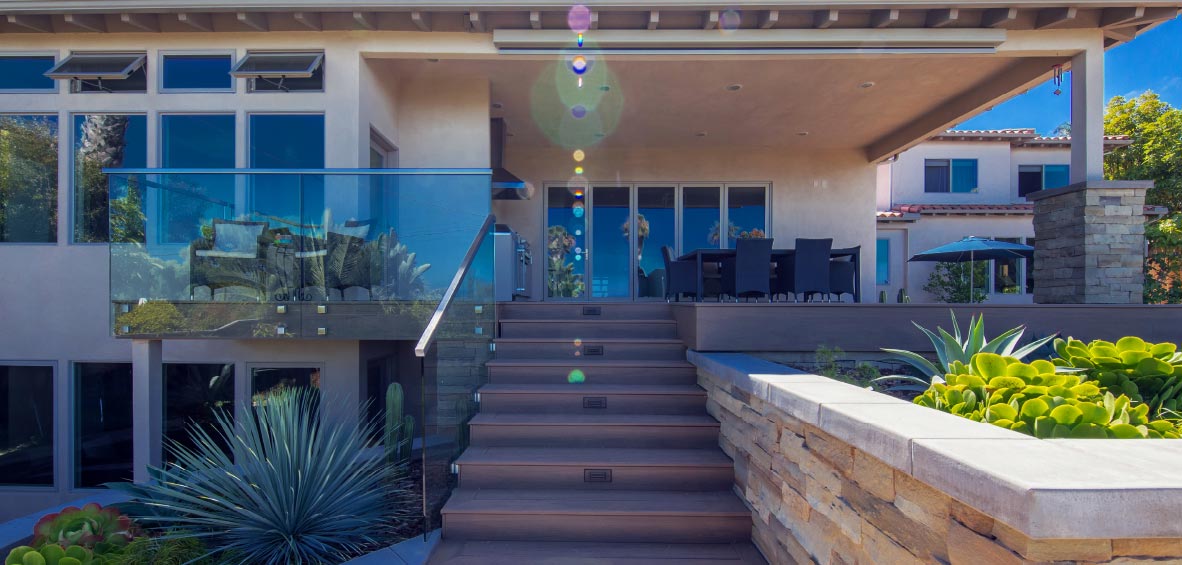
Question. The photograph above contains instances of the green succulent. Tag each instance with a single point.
(1036, 400)
(49, 554)
(1146, 372)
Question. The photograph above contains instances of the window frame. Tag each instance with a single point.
(318, 64)
(18, 54)
(161, 55)
(951, 165)
(878, 255)
(56, 176)
(1020, 276)
(55, 419)
(1042, 175)
(248, 137)
(71, 455)
(71, 172)
(141, 57)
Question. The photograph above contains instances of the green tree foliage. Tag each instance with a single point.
(950, 283)
(1155, 154)
(562, 279)
(28, 179)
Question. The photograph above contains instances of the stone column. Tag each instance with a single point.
(1090, 243)
(147, 406)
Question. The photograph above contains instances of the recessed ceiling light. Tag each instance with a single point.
(510, 134)
(734, 87)
(802, 133)
(599, 134)
(432, 60)
(497, 105)
(867, 84)
(700, 134)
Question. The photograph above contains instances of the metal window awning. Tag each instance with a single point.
(277, 65)
(97, 66)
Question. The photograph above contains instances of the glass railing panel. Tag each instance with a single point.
(453, 369)
(276, 254)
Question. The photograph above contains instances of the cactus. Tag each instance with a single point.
(1036, 400)
(1146, 372)
(399, 430)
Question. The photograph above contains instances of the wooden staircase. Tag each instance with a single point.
(593, 445)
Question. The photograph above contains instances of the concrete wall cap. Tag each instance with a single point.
(1092, 184)
(1069, 489)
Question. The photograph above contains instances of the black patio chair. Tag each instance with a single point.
(810, 268)
(748, 275)
(841, 278)
(679, 275)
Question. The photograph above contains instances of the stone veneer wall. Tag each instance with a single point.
(1090, 243)
(817, 498)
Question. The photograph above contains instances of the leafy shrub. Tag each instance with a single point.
(295, 488)
(1146, 372)
(1036, 400)
(955, 346)
(949, 282)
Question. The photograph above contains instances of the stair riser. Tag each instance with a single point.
(574, 403)
(568, 350)
(600, 528)
(656, 437)
(593, 375)
(572, 477)
(574, 329)
(607, 311)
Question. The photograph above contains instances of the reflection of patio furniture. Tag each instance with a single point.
(679, 275)
(234, 257)
(338, 266)
(748, 274)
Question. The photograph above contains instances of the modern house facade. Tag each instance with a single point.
(968, 183)
(204, 202)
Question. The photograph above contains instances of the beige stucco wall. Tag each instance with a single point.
(813, 193)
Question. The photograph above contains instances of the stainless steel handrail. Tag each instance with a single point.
(429, 332)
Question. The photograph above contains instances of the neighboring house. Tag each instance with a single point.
(244, 240)
(967, 183)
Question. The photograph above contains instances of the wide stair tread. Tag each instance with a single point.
(520, 419)
(592, 553)
(600, 363)
(592, 389)
(567, 502)
(589, 456)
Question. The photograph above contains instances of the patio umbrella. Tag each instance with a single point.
(972, 248)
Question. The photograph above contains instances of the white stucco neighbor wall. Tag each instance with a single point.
(813, 193)
(993, 165)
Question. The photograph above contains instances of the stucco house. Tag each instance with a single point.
(922, 204)
(204, 200)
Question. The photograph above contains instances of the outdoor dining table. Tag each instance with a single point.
(701, 256)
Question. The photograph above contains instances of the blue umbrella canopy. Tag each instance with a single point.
(974, 249)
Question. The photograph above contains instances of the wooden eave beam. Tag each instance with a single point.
(884, 18)
(254, 20)
(39, 24)
(143, 22)
(422, 20)
(1051, 17)
(942, 17)
(199, 22)
(998, 17)
(654, 20)
(824, 19)
(365, 20)
(1117, 17)
(769, 19)
(87, 22)
(535, 19)
(475, 22)
(310, 20)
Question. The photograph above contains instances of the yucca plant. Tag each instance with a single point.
(957, 347)
(297, 488)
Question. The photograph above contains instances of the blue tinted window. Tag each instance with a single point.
(104, 141)
(882, 267)
(288, 141)
(202, 141)
(197, 72)
(964, 175)
(190, 201)
(1055, 176)
(26, 72)
(28, 179)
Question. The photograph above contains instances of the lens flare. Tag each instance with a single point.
(578, 170)
(579, 155)
(578, 111)
(729, 20)
(580, 40)
(578, 342)
(576, 376)
(579, 18)
(577, 209)
(579, 64)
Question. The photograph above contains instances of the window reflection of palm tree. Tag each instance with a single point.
(642, 233)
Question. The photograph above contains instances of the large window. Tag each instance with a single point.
(194, 393)
(288, 141)
(1033, 178)
(266, 380)
(195, 141)
(1013, 276)
(882, 265)
(26, 73)
(701, 225)
(950, 175)
(105, 141)
(26, 425)
(196, 73)
(746, 208)
(102, 424)
(28, 179)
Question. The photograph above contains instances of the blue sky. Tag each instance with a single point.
(1151, 62)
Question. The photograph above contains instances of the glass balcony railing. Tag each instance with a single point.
(241, 253)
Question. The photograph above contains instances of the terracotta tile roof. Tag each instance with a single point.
(1020, 137)
(1010, 131)
(901, 210)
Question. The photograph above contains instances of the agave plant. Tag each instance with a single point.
(297, 488)
(953, 348)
